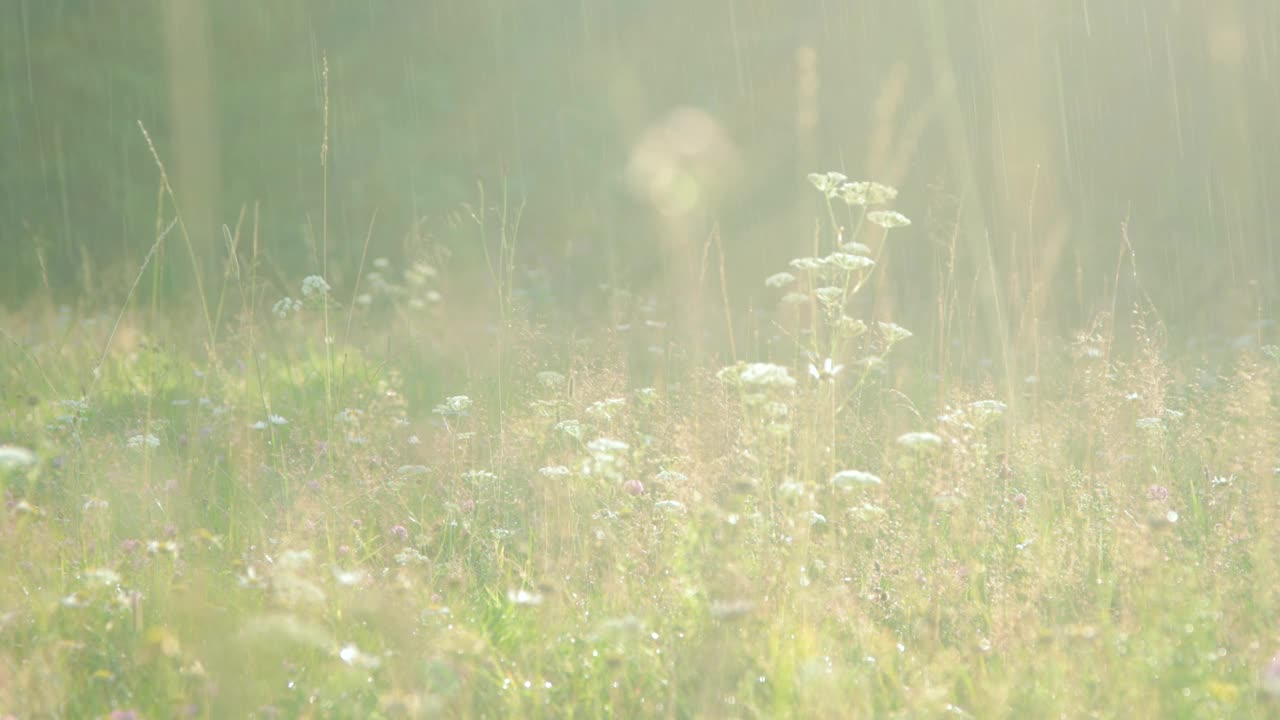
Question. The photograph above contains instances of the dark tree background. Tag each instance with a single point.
(1029, 131)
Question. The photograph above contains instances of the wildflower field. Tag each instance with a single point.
(340, 501)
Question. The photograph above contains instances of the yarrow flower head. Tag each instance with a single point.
(888, 219)
(919, 441)
(14, 457)
(285, 306)
(830, 296)
(849, 479)
(893, 332)
(879, 193)
(140, 441)
(455, 405)
(766, 375)
(806, 263)
(837, 185)
(984, 409)
(855, 248)
(314, 285)
(848, 261)
(524, 598)
(829, 183)
(779, 280)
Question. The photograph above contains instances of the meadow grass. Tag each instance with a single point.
(265, 515)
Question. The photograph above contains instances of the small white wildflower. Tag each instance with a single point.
(848, 479)
(351, 655)
(1220, 480)
(828, 183)
(524, 598)
(879, 193)
(848, 261)
(604, 409)
(851, 327)
(919, 440)
(766, 375)
(1149, 424)
(410, 556)
(794, 298)
(867, 511)
(806, 263)
(828, 372)
(854, 193)
(103, 577)
(314, 285)
(791, 489)
(260, 425)
(572, 428)
(455, 405)
(830, 296)
(816, 518)
(14, 457)
(167, 547)
(855, 248)
(669, 505)
(348, 577)
(554, 471)
(139, 441)
(988, 407)
(606, 446)
(893, 332)
(294, 560)
(277, 419)
(888, 219)
(381, 263)
(285, 306)
(779, 280)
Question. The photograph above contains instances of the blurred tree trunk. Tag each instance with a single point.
(193, 170)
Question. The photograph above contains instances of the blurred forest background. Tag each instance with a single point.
(1024, 134)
